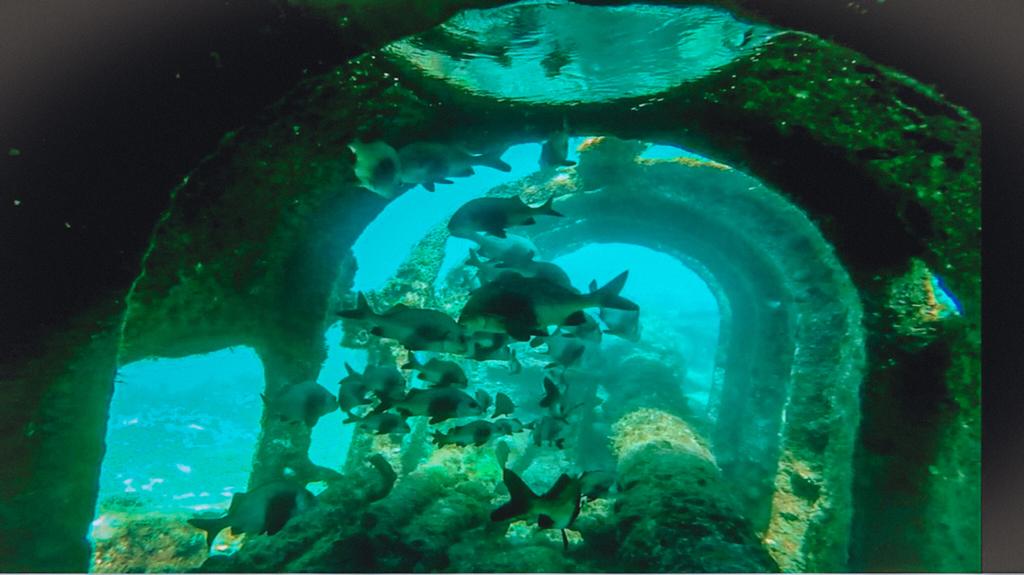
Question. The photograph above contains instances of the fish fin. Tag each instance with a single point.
(575, 318)
(413, 363)
(547, 209)
(493, 160)
(565, 541)
(311, 420)
(387, 473)
(376, 330)
(361, 311)
(550, 392)
(474, 259)
(350, 369)
(436, 419)
(429, 186)
(538, 341)
(465, 173)
(501, 453)
(520, 494)
(567, 163)
(560, 443)
(263, 397)
(612, 288)
(514, 365)
(438, 438)
(551, 365)
(212, 527)
(593, 286)
(444, 181)
(576, 356)
(351, 419)
(498, 233)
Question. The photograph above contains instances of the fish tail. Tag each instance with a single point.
(547, 208)
(493, 160)
(212, 526)
(611, 290)
(521, 497)
(514, 365)
(361, 311)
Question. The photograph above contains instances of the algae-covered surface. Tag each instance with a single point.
(804, 398)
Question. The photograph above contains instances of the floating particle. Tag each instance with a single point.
(184, 468)
(14, 152)
(194, 426)
(17, 202)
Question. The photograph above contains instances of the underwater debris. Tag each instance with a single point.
(920, 304)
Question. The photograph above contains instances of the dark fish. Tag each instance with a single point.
(377, 168)
(352, 391)
(556, 149)
(596, 483)
(537, 269)
(550, 431)
(555, 60)
(511, 249)
(475, 433)
(430, 163)
(485, 346)
(493, 215)
(438, 403)
(524, 307)
(265, 509)
(385, 381)
(502, 405)
(381, 423)
(483, 399)
(556, 509)
(621, 316)
(307, 402)
(568, 345)
(501, 453)
(508, 425)
(416, 329)
(439, 372)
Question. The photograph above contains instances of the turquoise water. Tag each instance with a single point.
(558, 52)
(182, 432)
(197, 418)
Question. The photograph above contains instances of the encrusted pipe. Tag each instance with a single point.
(673, 512)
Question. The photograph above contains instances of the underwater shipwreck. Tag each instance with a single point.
(540, 286)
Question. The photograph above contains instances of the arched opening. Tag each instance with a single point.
(180, 440)
(783, 396)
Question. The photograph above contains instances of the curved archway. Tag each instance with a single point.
(271, 276)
